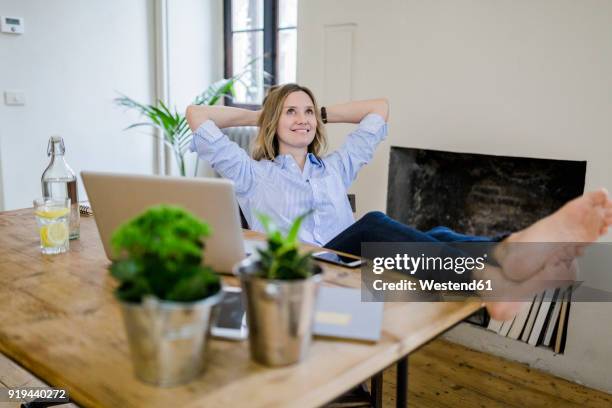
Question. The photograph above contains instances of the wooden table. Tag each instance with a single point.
(59, 320)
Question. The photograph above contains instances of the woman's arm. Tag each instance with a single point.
(359, 147)
(354, 112)
(223, 116)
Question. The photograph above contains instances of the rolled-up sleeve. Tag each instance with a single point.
(225, 156)
(359, 147)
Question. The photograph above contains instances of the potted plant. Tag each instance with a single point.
(166, 293)
(280, 290)
(172, 124)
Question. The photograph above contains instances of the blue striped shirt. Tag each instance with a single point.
(278, 188)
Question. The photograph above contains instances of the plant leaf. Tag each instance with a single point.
(267, 223)
(295, 227)
(141, 124)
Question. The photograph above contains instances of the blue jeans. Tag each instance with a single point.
(378, 227)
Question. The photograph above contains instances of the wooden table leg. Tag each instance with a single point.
(402, 383)
(376, 386)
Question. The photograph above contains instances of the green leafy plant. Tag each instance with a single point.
(159, 253)
(173, 125)
(282, 259)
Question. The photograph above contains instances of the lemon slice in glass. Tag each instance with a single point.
(51, 212)
(54, 234)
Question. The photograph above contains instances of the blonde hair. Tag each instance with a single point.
(266, 144)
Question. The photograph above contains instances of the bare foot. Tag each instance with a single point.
(576, 224)
(543, 255)
(508, 297)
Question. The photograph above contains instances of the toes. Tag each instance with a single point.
(608, 218)
(598, 197)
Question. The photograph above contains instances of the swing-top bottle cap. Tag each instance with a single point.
(52, 141)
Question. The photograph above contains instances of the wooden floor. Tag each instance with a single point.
(441, 374)
(444, 374)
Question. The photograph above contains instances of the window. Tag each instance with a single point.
(261, 40)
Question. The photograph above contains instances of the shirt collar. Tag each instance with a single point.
(314, 160)
(285, 159)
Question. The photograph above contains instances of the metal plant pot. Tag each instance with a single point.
(167, 339)
(280, 314)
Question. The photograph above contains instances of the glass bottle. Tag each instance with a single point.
(59, 181)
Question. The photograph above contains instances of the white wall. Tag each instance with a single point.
(508, 77)
(520, 78)
(195, 50)
(73, 58)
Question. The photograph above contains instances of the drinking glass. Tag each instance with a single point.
(53, 220)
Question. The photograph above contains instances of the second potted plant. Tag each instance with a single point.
(280, 291)
(166, 293)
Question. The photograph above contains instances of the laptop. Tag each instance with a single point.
(116, 198)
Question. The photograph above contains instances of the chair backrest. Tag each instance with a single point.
(243, 221)
(351, 198)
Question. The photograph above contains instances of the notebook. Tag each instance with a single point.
(520, 320)
(554, 318)
(340, 313)
(532, 317)
(538, 326)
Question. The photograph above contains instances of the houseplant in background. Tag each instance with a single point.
(280, 291)
(166, 293)
(173, 125)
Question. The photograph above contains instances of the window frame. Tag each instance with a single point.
(270, 45)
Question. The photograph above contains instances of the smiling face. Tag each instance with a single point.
(297, 124)
(289, 123)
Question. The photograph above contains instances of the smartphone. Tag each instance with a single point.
(342, 260)
(229, 319)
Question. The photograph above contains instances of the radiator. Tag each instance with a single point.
(242, 135)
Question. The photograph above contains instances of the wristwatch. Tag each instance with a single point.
(323, 114)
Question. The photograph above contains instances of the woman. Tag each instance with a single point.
(288, 173)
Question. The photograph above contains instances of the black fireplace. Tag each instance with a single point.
(477, 194)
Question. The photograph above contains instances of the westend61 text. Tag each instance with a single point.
(431, 285)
